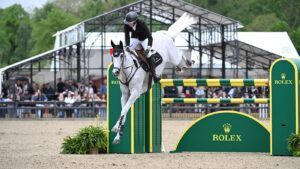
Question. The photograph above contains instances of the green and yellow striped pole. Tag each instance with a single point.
(214, 82)
(215, 101)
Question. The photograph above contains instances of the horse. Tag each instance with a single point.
(133, 79)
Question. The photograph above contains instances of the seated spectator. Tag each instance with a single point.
(199, 93)
(246, 106)
(81, 88)
(224, 96)
(103, 87)
(96, 102)
(95, 90)
(61, 86)
(77, 111)
(61, 112)
(69, 100)
(215, 107)
(25, 97)
(70, 86)
(232, 92)
(103, 106)
(2, 105)
(171, 92)
(90, 89)
(48, 91)
(38, 96)
(188, 91)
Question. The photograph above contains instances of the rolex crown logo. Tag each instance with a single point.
(283, 75)
(227, 128)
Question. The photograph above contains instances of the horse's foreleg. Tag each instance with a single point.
(124, 99)
(134, 95)
(132, 98)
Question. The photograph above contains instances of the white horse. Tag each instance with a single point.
(133, 79)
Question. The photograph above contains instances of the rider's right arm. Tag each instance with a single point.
(127, 37)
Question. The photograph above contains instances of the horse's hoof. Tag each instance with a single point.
(189, 63)
(121, 130)
(178, 69)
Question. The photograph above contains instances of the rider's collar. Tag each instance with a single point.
(134, 27)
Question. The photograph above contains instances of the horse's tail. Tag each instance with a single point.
(183, 22)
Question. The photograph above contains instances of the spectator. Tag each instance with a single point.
(199, 93)
(246, 106)
(69, 100)
(224, 96)
(94, 87)
(48, 91)
(171, 92)
(10, 106)
(61, 112)
(189, 92)
(81, 88)
(38, 96)
(2, 105)
(70, 86)
(215, 107)
(26, 97)
(103, 87)
(61, 86)
(232, 92)
(90, 89)
(103, 106)
(77, 111)
(96, 102)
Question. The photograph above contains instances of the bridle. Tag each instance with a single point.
(133, 68)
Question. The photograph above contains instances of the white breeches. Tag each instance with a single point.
(135, 44)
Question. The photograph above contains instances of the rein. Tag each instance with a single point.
(132, 73)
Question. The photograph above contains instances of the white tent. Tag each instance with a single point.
(278, 43)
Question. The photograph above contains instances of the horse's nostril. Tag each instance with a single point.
(116, 73)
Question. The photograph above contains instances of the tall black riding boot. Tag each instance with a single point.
(152, 69)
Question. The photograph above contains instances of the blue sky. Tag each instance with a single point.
(28, 5)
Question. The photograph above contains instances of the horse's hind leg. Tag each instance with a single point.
(183, 64)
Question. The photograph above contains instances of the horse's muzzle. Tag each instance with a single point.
(116, 72)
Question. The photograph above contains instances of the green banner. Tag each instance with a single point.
(225, 131)
(284, 103)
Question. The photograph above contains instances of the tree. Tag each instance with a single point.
(14, 35)
(4, 47)
(296, 38)
(53, 20)
(263, 23)
(258, 15)
(91, 8)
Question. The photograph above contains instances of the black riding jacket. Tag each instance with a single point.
(141, 32)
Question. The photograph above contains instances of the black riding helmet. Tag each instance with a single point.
(130, 17)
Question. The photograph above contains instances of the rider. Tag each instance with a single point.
(140, 34)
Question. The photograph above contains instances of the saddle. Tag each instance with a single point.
(144, 61)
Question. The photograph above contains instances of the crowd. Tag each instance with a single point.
(73, 99)
(214, 92)
(77, 99)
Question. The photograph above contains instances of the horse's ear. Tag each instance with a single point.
(121, 44)
(112, 44)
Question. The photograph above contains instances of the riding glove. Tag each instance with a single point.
(147, 50)
(127, 49)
